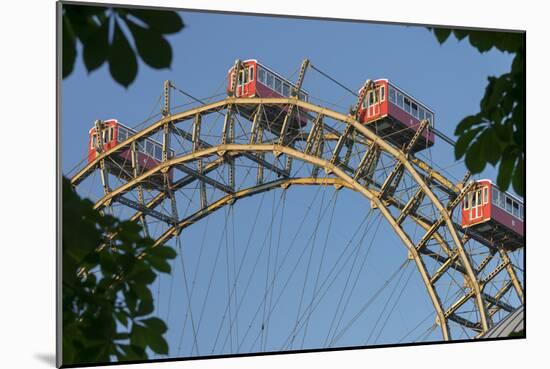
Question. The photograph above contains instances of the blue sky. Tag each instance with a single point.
(449, 78)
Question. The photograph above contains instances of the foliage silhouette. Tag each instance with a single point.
(102, 32)
(495, 134)
(107, 310)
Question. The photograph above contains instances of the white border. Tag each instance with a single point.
(28, 216)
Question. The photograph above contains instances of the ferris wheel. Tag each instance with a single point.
(301, 227)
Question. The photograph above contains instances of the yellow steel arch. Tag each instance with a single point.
(410, 164)
(351, 183)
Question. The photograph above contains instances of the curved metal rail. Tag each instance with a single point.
(348, 152)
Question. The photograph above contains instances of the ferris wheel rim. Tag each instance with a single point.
(345, 180)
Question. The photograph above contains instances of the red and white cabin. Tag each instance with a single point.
(257, 80)
(395, 115)
(149, 151)
(498, 216)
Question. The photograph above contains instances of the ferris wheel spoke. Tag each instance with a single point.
(241, 150)
(331, 278)
(389, 314)
(288, 279)
(358, 274)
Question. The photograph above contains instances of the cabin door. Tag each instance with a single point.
(244, 78)
(476, 211)
(374, 102)
(240, 83)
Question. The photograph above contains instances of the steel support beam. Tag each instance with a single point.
(368, 163)
(392, 181)
(340, 143)
(145, 210)
(368, 85)
(442, 217)
(204, 145)
(197, 146)
(485, 262)
(203, 178)
(450, 261)
(513, 276)
(291, 107)
(260, 156)
(135, 167)
(472, 293)
(158, 199)
(229, 199)
(318, 162)
(349, 149)
(411, 165)
(411, 206)
(314, 133)
(100, 149)
(318, 149)
(465, 322)
(501, 304)
(256, 122)
(499, 268)
(368, 135)
(416, 136)
(501, 292)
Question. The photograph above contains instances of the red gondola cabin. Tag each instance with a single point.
(257, 80)
(149, 152)
(498, 216)
(395, 115)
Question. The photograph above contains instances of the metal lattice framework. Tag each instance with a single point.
(224, 136)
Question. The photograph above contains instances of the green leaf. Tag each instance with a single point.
(519, 177)
(96, 307)
(518, 64)
(162, 21)
(156, 324)
(495, 91)
(504, 132)
(122, 318)
(490, 146)
(507, 102)
(96, 47)
(460, 33)
(505, 169)
(142, 291)
(152, 47)
(464, 141)
(165, 252)
(518, 120)
(467, 123)
(474, 160)
(158, 345)
(131, 300)
(122, 60)
(133, 352)
(122, 336)
(442, 34)
(145, 307)
(160, 264)
(144, 277)
(69, 48)
(512, 42)
(81, 20)
(127, 262)
(138, 336)
(482, 40)
(107, 262)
